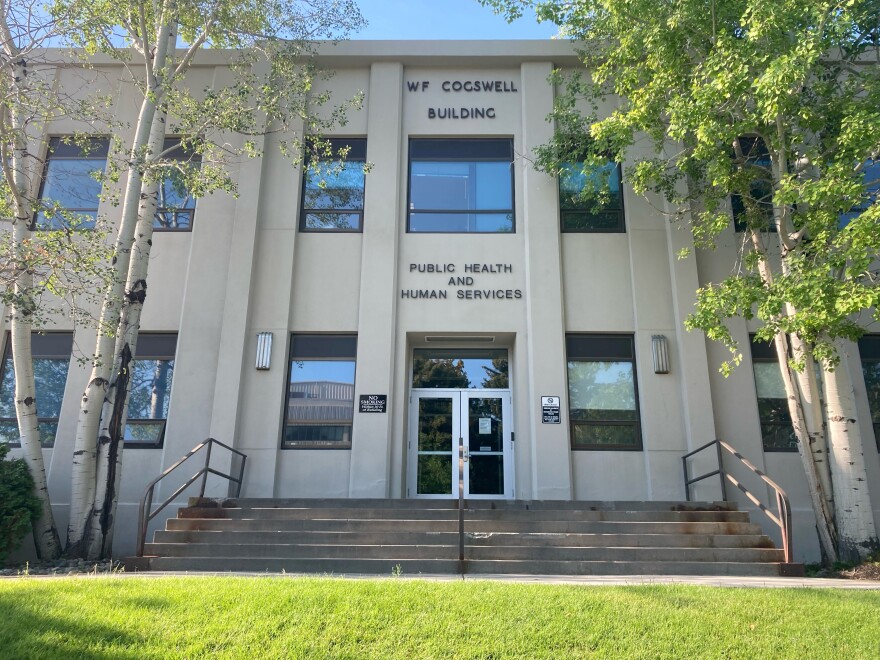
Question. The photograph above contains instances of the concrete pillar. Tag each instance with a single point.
(545, 325)
(377, 316)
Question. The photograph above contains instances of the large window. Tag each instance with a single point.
(601, 208)
(320, 391)
(333, 185)
(176, 207)
(151, 373)
(777, 432)
(869, 349)
(602, 394)
(460, 186)
(71, 184)
(51, 354)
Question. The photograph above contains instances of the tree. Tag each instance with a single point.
(774, 107)
(273, 44)
(42, 273)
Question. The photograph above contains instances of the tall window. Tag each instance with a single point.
(602, 395)
(602, 211)
(150, 387)
(756, 209)
(869, 349)
(461, 186)
(777, 433)
(320, 391)
(51, 354)
(176, 207)
(333, 186)
(71, 184)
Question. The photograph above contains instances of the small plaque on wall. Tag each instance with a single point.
(550, 410)
(373, 403)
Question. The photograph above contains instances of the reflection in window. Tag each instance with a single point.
(333, 187)
(871, 177)
(602, 210)
(755, 210)
(777, 432)
(71, 184)
(869, 349)
(320, 391)
(603, 405)
(152, 371)
(176, 206)
(51, 354)
(461, 186)
(460, 368)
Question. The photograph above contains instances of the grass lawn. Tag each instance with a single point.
(278, 617)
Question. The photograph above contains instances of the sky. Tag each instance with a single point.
(444, 19)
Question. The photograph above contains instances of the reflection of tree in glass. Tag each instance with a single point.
(150, 389)
(601, 390)
(435, 475)
(175, 204)
(437, 372)
(872, 388)
(435, 434)
(496, 375)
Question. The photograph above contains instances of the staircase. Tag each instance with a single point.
(410, 537)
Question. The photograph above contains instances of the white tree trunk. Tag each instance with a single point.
(857, 535)
(85, 479)
(114, 413)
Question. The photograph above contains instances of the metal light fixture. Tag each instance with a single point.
(660, 348)
(264, 350)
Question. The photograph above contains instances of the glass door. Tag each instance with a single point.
(444, 422)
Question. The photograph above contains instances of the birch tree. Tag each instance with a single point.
(42, 273)
(158, 41)
(770, 108)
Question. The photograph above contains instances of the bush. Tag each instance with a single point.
(19, 506)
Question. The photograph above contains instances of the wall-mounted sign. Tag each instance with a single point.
(550, 410)
(464, 87)
(465, 286)
(373, 403)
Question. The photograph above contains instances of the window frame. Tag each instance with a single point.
(357, 146)
(341, 356)
(765, 353)
(869, 352)
(570, 338)
(7, 353)
(154, 343)
(438, 146)
(620, 212)
(57, 150)
(177, 154)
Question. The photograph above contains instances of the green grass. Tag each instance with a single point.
(277, 617)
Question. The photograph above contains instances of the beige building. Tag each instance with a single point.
(452, 296)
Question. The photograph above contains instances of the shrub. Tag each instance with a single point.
(19, 505)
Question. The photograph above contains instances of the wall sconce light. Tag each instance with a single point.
(264, 350)
(660, 348)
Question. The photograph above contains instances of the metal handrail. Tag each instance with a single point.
(782, 520)
(145, 515)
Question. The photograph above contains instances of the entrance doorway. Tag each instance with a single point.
(444, 421)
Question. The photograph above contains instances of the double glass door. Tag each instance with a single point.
(468, 424)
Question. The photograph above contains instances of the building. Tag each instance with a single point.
(451, 295)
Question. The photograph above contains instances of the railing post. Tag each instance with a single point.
(146, 503)
(687, 485)
(207, 464)
(461, 506)
(240, 477)
(721, 471)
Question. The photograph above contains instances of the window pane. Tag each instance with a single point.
(332, 220)
(320, 401)
(145, 433)
(776, 429)
(334, 184)
(71, 183)
(601, 390)
(461, 222)
(150, 389)
(460, 368)
(603, 211)
(341, 190)
(599, 435)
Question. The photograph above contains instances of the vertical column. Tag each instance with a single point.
(377, 314)
(545, 323)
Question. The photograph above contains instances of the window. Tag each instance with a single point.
(51, 354)
(871, 175)
(604, 211)
(150, 389)
(869, 349)
(320, 391)
(602, 396)
(461, 186)
(777, 432)
(176, 206)
(71, 184)
(757, 209)
(460, 368)
(333, 187)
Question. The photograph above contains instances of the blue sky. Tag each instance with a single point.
(443, 19)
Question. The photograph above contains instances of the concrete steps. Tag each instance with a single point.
(421, 537)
